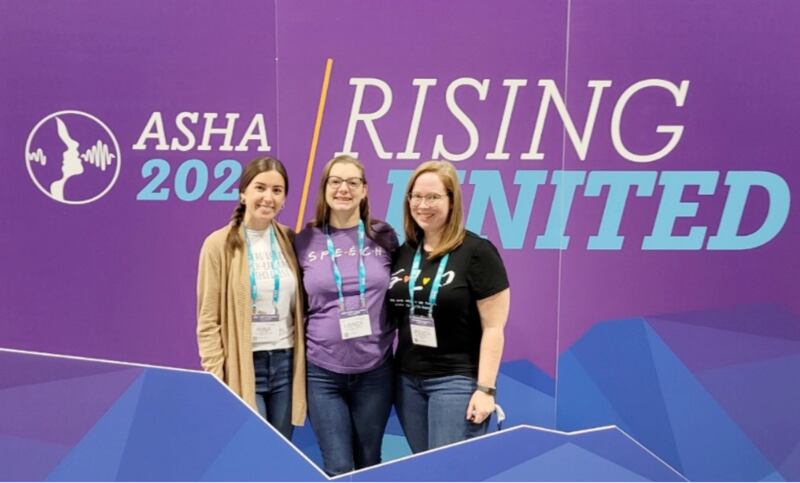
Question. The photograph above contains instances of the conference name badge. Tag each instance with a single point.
(354, 324)
(266, 328)
(423, 331)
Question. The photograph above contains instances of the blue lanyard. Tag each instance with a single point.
(437, 280)
(362, 271)
(276, 269)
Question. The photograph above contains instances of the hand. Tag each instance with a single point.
(480, 407)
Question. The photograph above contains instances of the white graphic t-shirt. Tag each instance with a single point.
(262, 256)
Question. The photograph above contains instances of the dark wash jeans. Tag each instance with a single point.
(348, 413)
(274, 388)
(433, 410)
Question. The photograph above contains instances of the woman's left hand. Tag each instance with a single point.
(480, 407)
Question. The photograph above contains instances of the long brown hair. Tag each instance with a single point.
(453, 232)
(254, 168)
(323, 211)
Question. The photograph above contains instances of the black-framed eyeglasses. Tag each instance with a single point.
(335, 182)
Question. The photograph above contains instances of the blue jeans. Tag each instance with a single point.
(348, 413)
(433, 411)
(274, 388)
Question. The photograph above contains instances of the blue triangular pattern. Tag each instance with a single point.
(581, 404)
(567, 462)
(773, 477)
(702, 348)
(749, 394)
(39, 369)
(791, 465)
(182, 422)
(766, 320)
(97, 456)
(527, 373)
(615, 446)
(394, 447)
(524, 404)
(62, 411)
(711, 446)
(393, 425)
(306, 441)
(618, 359)
(257, 453)
(23, 459)
(467, 461)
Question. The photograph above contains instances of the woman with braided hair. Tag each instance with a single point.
(249, 305)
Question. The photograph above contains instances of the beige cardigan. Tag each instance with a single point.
(224, 312)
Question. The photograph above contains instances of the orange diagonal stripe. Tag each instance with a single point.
(312, 153)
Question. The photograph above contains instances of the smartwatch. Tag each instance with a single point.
(486, 389)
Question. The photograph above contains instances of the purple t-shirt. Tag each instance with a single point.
(325, 347)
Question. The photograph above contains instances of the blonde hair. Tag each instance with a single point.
(453, 232)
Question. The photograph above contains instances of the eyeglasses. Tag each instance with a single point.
(335, 182)
(431, 199)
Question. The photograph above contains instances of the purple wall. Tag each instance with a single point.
(114, 278)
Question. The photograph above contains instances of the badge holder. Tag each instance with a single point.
(266, 328)
(354, 323)
(423, 331)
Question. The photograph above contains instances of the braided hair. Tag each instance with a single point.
(254, 168)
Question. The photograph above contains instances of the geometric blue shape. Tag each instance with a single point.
(710, 443)
(97, 456)
(702, 348)
(616, 358)
(305, 439)
(529, 374)
(394, 447)
(156, 424)
(773, 477)
(484, 458)
(524, 404)
(181, 423)
(257, 453)
(40, 411)
(603, 444)
(23, 459)
(568, 462)
(581, 403)
(183, 420)
(703, 424)
(791, 465)
(39, 368)
(393, 426)
(769, 419)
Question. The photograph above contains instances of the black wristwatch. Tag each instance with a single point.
(486, 389)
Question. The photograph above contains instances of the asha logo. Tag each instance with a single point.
(72, 157)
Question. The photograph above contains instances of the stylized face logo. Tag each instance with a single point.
(72, 157)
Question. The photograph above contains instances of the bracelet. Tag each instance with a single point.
(486, 389)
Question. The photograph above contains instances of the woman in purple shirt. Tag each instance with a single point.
(349, 337)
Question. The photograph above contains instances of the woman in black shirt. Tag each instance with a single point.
(451, 323)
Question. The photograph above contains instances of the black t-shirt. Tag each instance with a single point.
(474, 271)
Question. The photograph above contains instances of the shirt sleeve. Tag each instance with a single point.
(486, 274)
